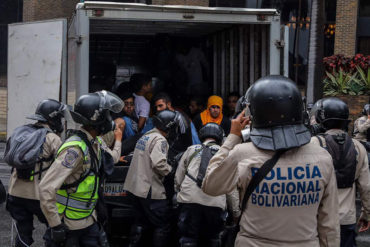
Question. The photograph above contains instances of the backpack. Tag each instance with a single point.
(343, 152)
(207, 153)
(23, 150)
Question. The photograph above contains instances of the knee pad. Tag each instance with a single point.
(135, 235)
(188, 242)
(189, 245)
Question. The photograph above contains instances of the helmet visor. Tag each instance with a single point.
(66, 112)
(246, 101)
(110, 101)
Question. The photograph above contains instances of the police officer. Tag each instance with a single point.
(145, 178)
(202, 216)
(350, 164)
(186, 136)
(295, 204)
(69, 190)
(362, 125)
(24, 200)
(162, 101)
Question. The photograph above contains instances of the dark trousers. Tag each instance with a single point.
(22, 211)
(196, 221)
(87, 237)
(150, 215)
(348, 235)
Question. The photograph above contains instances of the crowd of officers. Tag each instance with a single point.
(283, 180)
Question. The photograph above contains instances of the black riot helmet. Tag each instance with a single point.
(276, 109)
(332, 113)
(51, 112)
(366, 110)
(211, 130)
(165, 120)
(94, 109)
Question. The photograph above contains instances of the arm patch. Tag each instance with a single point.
(70, 158)
(164, 147)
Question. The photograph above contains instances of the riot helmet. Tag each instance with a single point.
(366, 110)
(276, 109)
(50, 111)
(239, 106)
(211, 130)
(165, 120)
(94, 109)
(332, 113)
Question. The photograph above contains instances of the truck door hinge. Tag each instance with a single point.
(279, 43)
(78, 39)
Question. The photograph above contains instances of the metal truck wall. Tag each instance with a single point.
(36, 54)
(240, 57)
(72, 76)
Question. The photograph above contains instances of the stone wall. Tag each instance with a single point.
(355, 104)
(34, 10)
(204, 3)
(346, 27)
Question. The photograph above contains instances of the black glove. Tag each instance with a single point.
(59, 233)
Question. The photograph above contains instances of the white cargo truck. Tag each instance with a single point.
(48, 59)
(105, 43)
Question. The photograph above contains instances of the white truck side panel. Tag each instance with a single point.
(35, 58)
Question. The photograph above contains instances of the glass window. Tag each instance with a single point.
(364, 8)
(363, 45)
(330, 10)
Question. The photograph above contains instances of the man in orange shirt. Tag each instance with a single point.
(213, 114)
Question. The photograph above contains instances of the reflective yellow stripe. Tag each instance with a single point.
(75, 203)
(80, 204)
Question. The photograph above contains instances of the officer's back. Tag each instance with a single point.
(23, 201)
(142, 176)
(350, 163)
(296, 202)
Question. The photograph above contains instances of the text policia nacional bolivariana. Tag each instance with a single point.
(288, 187)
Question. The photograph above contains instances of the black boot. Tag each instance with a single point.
(135, 236)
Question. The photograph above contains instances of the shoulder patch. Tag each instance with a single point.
(164, 147)
(70, 158)
(214, 149)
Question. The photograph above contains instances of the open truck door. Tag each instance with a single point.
(36, 67)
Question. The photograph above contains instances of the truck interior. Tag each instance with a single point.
(226, 57)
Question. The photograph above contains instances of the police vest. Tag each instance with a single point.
(80, 204)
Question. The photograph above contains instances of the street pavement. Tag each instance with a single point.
(363, 239)
(5, 219)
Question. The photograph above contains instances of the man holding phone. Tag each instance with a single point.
(287, 184)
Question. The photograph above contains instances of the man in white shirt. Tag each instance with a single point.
(142, 85)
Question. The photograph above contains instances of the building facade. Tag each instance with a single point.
(346, 27)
